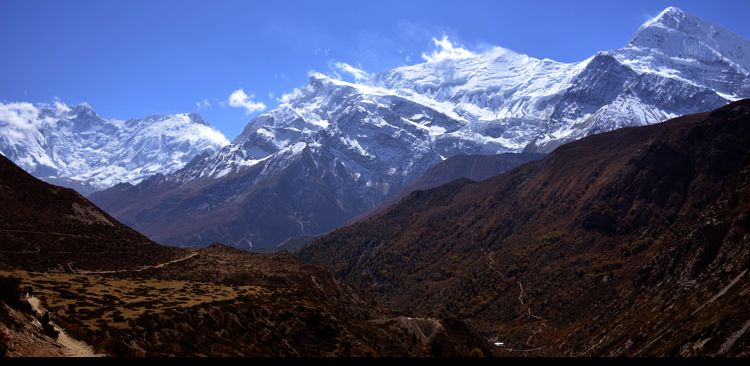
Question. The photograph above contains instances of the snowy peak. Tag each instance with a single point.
(671, 17)
(84, 110)
(187, 118)
(678, 34)
(452, 78)
(75, 147)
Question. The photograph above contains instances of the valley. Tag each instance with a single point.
(475, 202)
(249, 311)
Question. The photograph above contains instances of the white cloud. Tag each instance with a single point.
(22, 119)
(240, 99)
(358, 73)
(62, 107)
(18, 115)
(446, 50)
(204, 104)
(288, 97)
(316, 74)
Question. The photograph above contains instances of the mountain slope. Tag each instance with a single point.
(472, 167)
(370, 140)
(632, 242)
(48, 227)
(75, 147)
(372, 144)
(123, 295)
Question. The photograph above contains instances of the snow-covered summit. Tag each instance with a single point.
(678, 34)
(680, 45)
(74, 146)
(500, 83)
(369, 128)
(500, 100)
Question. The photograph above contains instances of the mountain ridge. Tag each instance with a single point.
(75, 147)
(374, 137)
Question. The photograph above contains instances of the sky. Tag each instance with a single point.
(230, 60)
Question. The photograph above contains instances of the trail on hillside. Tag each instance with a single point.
(72, 347)
(543, 322)
(153, 266)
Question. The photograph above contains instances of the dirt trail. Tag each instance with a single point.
(154, 266)
(524, 305)
(72, 347)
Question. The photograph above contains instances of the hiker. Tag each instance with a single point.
(29, 291)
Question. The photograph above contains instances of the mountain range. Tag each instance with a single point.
(627, 243)
(75, 147)
(478, 204)
(333, 150)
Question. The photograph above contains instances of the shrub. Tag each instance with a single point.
(47, 327)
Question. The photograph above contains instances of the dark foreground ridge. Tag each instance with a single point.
(44, 227)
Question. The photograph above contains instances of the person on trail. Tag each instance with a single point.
(29, 291)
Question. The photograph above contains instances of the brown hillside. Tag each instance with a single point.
(43, 226)
(123, 295)
(633, 242)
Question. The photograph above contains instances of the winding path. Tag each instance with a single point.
(524, 305)
(71, 346)
(153, 266)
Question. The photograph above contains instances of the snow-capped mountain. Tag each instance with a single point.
(75, 147)
(375, 131)
(674, 64)
(329, 153)
(333, 149)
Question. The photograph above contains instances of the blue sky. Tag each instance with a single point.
(139, 57)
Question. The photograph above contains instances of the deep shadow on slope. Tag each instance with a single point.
(256, 209)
